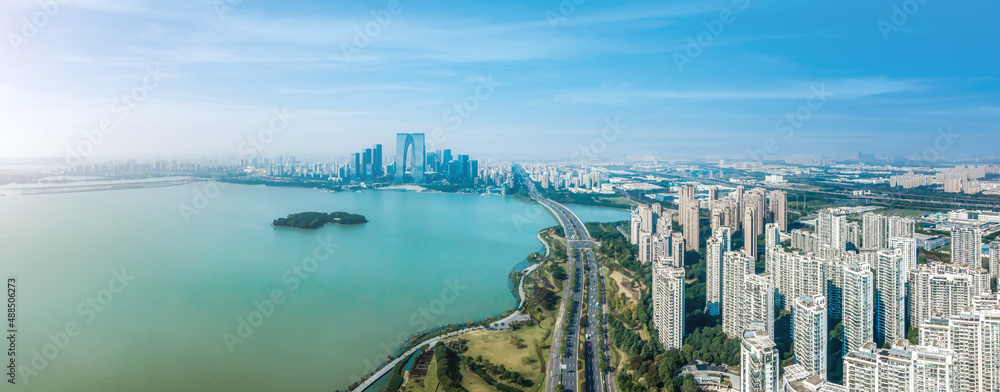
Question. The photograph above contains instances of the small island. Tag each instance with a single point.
(315, 220)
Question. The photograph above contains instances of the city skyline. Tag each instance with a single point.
(529, 80)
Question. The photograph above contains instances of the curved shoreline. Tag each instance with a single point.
(383, 370)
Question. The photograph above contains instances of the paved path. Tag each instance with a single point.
(389, 366)
(520, 292)
(547, 250)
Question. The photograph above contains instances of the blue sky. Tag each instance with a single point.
(559, 70)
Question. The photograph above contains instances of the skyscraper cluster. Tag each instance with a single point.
(365, 166)
(943, 290)
(651, 228)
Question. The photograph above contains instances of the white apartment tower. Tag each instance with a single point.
(779, 207)
(691, 226)
(859, 302)
(750, 231)
(810, 326)
(635, 227)
(714, 253)
(901, 368)
(966, 247)
(758, 362)
(831, 228)
(908, 245)
(735, 267)
(668, 304)
(943, 290)
(890, 298)
(677, 248)
(877, 229)
(994, 258)
(758, 300)
(975, 339)
(772, 236)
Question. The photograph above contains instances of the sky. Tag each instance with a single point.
(501, 79)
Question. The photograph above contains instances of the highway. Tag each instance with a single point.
(563, 366)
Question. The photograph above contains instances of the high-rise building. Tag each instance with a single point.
(668, 304)
(901, 368)
(810, 326)
(750, 231)
(772, 236)
(966, 247)
(795, 274)
(645, 247)
(974, 337)
(859, 311)
(686, 196)
(446, 156)
(648, 218)
(805, 241)
(758, 300)
(943, 290)
(994, 258)
(714, 253)
(677, 248)
(835, 288)
(897, 226)
(756, 198)
(464, 170)
(635, 226)
(665, 223)
(417, 160)
(660, 248)
(692, 230)
(908, 246)
(366, 165)
(890, 297)
(738, 212)
(797, 379)
(735, 267)
(877, 229)
(726, 234)
(831, 228)
(758, 362)
(358, 168)
(779, 208)
(378, 163)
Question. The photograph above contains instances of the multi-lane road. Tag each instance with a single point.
(563, 364)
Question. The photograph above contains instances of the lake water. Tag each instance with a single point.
(157, 290)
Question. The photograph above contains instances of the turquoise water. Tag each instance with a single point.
(423, 260)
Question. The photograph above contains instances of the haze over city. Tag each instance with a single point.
(500, 196)
(689, 79)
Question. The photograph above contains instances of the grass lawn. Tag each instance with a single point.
(621, 201)
(496, 346)
(904, 212)
(431, 382)
(625, 286)
(473, 383)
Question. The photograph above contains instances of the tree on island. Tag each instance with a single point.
(315, 220)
